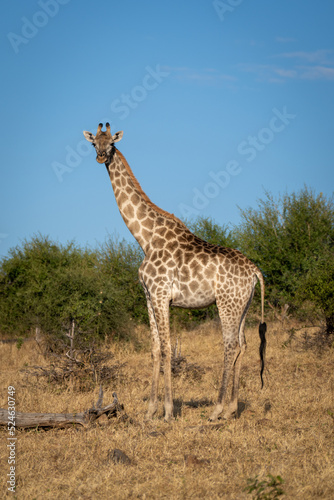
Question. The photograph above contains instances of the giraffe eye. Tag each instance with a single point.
(93, 144)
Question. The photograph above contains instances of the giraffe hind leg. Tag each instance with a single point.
(236, 365)
(232, 352)
(233, 406)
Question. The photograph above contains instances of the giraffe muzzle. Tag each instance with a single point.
(101, 158)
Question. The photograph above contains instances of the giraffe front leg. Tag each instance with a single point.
(160, 303)
(156, 357)
(167, 363)
(153, 401)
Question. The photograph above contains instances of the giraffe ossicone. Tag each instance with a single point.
(181, 270)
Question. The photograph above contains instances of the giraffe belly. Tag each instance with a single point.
(192, 296)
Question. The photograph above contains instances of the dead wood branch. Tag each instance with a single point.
(280, 316)
(61, 420)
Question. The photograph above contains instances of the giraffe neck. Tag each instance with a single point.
(139, 214)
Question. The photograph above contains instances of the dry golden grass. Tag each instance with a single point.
(286, 429)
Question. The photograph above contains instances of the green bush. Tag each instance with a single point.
(46, 285)
(291, 239)
(49, 286)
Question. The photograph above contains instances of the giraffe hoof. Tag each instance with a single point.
(230, 414)
(149, 416)
(215, 414)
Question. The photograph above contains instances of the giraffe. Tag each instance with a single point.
(179, 269)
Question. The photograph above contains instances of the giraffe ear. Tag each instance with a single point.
(118, 136)
(89, 136)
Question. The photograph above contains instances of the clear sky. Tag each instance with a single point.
(218, 100)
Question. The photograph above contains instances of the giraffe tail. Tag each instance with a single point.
(262, 327)
(262, 333)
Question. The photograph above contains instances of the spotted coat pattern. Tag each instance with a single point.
(179, 269)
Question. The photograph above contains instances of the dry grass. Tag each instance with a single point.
(286, 429)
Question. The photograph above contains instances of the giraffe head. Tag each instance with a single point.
(103, 142)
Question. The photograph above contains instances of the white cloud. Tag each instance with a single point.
(318, 65)
(286, 73)
(204, 75)
(317, 73)
(322, 56)
(282, 39)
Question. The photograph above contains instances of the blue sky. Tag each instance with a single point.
(218, 100)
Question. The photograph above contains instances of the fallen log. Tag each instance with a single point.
(61, 420)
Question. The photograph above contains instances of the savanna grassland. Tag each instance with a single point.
(286, 429)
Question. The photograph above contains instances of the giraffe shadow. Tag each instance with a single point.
(242, 406)
(203, 403)
(178, 404)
